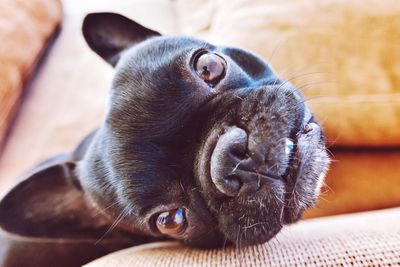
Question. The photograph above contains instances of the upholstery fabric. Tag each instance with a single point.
(341, 53)
(365, 239)
(25, 27)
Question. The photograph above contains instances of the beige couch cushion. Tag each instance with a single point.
(342, 53)
(25, 27)
(365, 239)
(68, 96)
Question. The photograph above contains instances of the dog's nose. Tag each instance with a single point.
(228, 152)
(232, 169)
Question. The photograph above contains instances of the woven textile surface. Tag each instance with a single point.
(364, 239)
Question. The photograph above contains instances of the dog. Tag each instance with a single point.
(200, 143)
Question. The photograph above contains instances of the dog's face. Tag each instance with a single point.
(201, 143)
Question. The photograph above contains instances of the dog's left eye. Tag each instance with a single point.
(171, 222)
(210, 67)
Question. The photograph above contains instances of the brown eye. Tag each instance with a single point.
(210, 67)
(171, 222)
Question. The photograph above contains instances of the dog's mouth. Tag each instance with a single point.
(263, 170)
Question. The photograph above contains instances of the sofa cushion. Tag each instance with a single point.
(341, 53)
(25, 27)
(365, 239)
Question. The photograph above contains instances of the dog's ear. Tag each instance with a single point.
(108, 34)
(50, 203)
(46, 220)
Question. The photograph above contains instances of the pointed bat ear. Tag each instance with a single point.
(108, 34)
(47, 220)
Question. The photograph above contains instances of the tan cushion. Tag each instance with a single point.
(370, 239)
(69, 93)
(25, 27)
(342, 53)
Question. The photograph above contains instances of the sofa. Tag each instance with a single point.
(341, 53)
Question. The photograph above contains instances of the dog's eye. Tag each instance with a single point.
(289, 146)
(210, 67)
(171, 222)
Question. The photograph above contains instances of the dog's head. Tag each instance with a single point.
(200, 143)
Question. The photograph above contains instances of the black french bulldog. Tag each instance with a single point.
(201, 143)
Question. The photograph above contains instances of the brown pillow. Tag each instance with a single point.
(344, 55)
(25, 27)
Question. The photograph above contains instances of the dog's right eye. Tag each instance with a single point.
(210, 67)
(171, 222)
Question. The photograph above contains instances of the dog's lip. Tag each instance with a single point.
(261, 174)
(291, 217)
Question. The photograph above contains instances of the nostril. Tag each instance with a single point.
(238, 150)
(228, 152)
(232, 185)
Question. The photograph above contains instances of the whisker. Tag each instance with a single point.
(333, 142)
(278, 44)
(113, 225)
(332, 155)
(300, 69)
(253, 225)
(106, 208)
(312, 98)
(302, 87)
(281, 216)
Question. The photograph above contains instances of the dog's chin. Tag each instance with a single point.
(250, 220)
